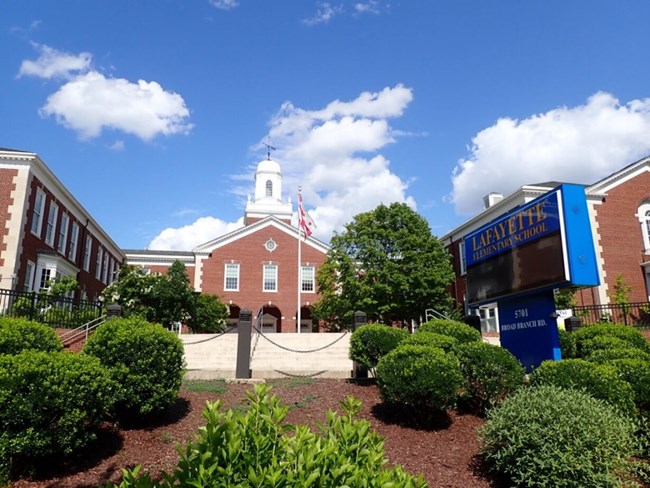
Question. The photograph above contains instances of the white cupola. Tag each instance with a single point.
(268, 194)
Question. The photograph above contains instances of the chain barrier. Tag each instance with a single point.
(298, 350)
(293, 375)
(211, 338)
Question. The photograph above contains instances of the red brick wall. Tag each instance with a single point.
(620, 235)
(7, 185)
(250, 253)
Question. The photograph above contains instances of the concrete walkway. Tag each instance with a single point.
(325, 355)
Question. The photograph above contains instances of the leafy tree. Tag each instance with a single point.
(173, 296)
(387, 264)
(133, 290)
(210, 314)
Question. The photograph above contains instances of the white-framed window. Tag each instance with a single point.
(231, 277)
(307, 279)
(110, 271)
(74, 238)
(463, 258)
(269, 188)
(644, 217)
(105, 268)
(29, 276)
(37, 213)
(88, 245)
(46, 274)
(50, 229)
(98, 265)
(63, 233)
(270, 281)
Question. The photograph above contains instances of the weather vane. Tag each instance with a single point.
(269, 148)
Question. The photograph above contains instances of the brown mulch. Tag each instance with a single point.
(443, 449)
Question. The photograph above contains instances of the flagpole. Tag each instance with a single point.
(299, 260)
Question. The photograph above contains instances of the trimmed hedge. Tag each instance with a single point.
(491, 373)
(458, 330)
(606, 355)
(17, 335)
(444, 342)
(548, 436)
(637, 373)
(600, 381)
(144, 358)
(624, 332)
(50, 403)
(422, 377)
(370, 342)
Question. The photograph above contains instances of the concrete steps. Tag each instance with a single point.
(274, 355)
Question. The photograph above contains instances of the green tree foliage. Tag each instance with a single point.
(257, 448)
(387, 264)
(165, 299)
(17, 335)
(146, 361)
(551, 437)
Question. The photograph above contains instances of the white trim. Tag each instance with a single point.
(17, 213)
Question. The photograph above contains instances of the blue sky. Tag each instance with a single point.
(153, 112)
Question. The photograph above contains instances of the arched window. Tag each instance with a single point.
(269, 188)
(644, 219)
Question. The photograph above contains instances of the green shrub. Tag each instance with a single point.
(422, 377)
(491, 373)
(637, 373)
(626, 352)
(600, 381)
(551, 437)
(210, 315)
(49, 404)
(627, 333)
(256, 448)
(145, 359)
(600, 343)
(444, 342)
(567, 344)
(369, 343)
(458, 330)
(18, 335)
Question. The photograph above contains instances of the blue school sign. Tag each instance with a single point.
(519, 258)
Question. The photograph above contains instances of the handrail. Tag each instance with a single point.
(83, 329)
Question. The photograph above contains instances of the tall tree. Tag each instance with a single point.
(387, 264)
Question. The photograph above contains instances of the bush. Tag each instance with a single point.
(491, 373)
(49, 404)
(627, 333)
(145, 359)
(18, 335)
(458, 330)
(369, 343)
(419, 376)
(444, 342)
(606, 355)
(256, 448)
(210, 315)
(600, 343)
(548, 436)
(567, 344)
(600, 381)
(637, 373)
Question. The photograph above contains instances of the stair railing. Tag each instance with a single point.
(82, 330)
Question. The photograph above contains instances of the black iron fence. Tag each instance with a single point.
(636, 314)
(55, 311)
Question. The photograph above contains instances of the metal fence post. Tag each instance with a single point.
(244, 344)
(360, 318)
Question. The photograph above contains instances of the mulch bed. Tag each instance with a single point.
(444, 449)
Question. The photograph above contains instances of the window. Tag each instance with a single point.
(74, 237)
(463, 258)
(644, 218)
(231, 277)
(270, 277)
(37, 215)
(105, 268)
(307, 278)
(45, 278)
(50, 230)
(98, 267)
(63, 233)
(29, 276)
(110, 271)
(269, 188)
(87, 248)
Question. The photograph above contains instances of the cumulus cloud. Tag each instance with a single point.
(333, 153)
(190, 236)
(224, 4)
(579, 144)
(89, 102)
(54, 64)
(324, 13)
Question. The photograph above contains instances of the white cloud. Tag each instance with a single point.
(576, 145)
(324, 13)
(118, 146)
(333, 153)
(369, 7)
(188, 237)
(91, 102)
(54, 64)
(224, 4)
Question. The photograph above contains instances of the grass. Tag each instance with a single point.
(292, 382)
(205, 386)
